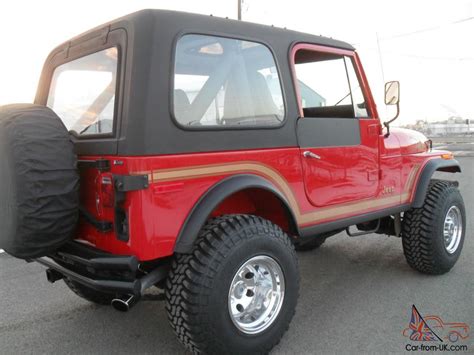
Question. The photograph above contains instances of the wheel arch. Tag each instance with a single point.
(451, 166)
(216, 195)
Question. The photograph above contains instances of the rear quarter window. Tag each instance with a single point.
(82, 93)
(225, 83)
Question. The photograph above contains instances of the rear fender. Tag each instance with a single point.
(213, 198)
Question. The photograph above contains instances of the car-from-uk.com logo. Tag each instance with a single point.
(436, 333)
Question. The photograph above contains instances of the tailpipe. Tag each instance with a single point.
(126, 301)
(123, 304)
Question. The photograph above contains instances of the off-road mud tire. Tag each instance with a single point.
(197, 288)
(422, 230)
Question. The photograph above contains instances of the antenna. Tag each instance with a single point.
(239, 10)
(380, 56)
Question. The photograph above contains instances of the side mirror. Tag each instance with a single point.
(392, 97)
(392, 93)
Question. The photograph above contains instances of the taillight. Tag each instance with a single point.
(106, 190)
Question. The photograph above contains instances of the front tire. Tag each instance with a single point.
(433, 235)
(237, 291)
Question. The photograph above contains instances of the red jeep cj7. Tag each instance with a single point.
(195, 154)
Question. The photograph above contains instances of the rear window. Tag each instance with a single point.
(82, 93)
(224, 82)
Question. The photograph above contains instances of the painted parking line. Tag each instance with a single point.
(459, 153)
(463, 153)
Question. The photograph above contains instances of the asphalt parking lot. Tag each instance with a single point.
(356, 297)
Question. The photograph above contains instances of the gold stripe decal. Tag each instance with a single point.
(320, 214)
(411, 179)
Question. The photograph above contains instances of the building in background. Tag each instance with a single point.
(453, 126)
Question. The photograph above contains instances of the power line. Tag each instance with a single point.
(413, 55)
(428, 29)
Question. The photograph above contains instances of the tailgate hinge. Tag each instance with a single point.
(124, 183)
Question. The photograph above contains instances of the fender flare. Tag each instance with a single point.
(451, 166)
(213, 197)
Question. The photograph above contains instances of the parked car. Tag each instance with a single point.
(195, 154)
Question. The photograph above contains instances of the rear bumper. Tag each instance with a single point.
(100, 271)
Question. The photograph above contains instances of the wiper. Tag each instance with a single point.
(337, 103)
(193, 122)
(85, 129)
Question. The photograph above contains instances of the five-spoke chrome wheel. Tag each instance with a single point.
(256, 294)
(452, 231)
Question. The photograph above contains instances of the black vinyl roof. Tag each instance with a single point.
(219, 24)
(147, 49)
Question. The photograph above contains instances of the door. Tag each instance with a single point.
(337, 136)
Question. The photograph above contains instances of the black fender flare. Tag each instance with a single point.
(429, 169)
(213, 197)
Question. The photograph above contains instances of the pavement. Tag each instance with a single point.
(356, 297)
(460, 146)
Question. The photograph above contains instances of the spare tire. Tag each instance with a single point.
(39, 181)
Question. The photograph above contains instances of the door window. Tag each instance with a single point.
(328, 85)
(360, 108)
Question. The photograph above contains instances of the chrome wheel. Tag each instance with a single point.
(256, 294)
(452, 230)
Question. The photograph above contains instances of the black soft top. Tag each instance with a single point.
(181, 20)
(147, 39)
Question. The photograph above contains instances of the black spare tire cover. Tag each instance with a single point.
(39, 182)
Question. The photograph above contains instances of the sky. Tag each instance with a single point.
(428, 45)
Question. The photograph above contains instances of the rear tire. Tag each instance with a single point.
(89, 294)
(433, 235)
(216, 305)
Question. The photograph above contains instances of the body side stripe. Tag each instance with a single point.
(303, 219)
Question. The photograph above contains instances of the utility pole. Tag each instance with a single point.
(239, 10)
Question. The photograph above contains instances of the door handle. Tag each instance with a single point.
(308, 154)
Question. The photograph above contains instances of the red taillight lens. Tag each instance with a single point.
(107, 190)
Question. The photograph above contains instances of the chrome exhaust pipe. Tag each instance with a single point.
(124, 303)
